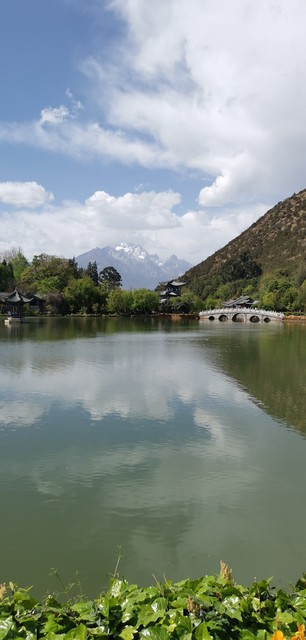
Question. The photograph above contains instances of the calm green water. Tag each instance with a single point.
(182, 443)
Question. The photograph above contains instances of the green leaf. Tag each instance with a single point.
(30, 635)
(127, 633)
(160, 604)
(85, 610)
(184, 627)
(154, 633)
(53, 625)
(6, 626)
(230, 607)
(117, 587)
(146, 615)
(285, 617)
(24, 598)
(79, 633)
(202, 632)
(247, 635)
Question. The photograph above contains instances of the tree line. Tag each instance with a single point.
(279, 290)
(67, 288)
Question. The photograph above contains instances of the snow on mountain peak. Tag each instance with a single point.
(137, 267)
(133, 250)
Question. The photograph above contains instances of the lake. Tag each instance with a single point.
(173, 444)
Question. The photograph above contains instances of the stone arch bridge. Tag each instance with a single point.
(241, 314)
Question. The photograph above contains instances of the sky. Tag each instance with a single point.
(172, 124)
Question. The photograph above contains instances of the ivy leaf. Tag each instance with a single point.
(127, 633)
(247, 635)
(146, 615)
(79, 633)
(285, 617)
(202, 632)
(6, 626)
(85, 610)
(154, 633)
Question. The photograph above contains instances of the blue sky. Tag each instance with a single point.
(172, 124)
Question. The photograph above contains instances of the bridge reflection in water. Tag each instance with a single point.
(241, 314)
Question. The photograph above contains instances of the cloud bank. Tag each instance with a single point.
(147, 218)
(216, 89)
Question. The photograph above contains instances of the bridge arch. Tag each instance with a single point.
(238, 317)
(223, 317)
(254, 318)
(267, 319)
(211, 318)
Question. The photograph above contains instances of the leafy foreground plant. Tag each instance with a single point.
(202, 609)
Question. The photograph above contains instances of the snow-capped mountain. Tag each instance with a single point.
(137, 267)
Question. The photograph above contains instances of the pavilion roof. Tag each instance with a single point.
(16, 297)
(242, 301)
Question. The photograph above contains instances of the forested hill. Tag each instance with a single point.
(274, 244)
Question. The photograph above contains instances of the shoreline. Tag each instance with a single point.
(295, 319)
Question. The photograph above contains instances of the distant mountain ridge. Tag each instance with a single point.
(276, 242)
(138, 268)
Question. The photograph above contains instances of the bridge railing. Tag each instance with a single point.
(248, 310)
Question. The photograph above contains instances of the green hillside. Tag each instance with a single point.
(268, 261)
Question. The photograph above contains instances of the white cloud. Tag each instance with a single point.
(84, 140)
(24, 194)
(147, 218)
(215, 88)
(147, 210)
(220, 88)
(54, 116)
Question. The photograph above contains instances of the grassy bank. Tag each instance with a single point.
(202, 609)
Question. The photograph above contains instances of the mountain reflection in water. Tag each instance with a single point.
(270, 366)
(145, 435)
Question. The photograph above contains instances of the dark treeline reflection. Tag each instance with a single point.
(69, 328)
(269, 363)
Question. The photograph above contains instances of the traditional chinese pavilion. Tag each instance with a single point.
(172, 289)
(14, 303)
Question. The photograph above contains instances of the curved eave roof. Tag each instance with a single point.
(17, 297)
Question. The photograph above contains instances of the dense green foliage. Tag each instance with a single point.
(276, 291)
(6, 276)
(203, 609)
(17, 263)
(68, 289)
(266, 262)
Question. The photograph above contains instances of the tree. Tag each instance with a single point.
(186, 303)
(48, 273)
(18, 261)
(241, 267)
(300, 303)
(81, 294)
(75, 270)
(92, 272)
(120, 302)
(55, 303)
(6, 276)
(110, 277)
(145, 301)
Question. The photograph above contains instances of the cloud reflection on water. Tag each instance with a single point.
(139, 440)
